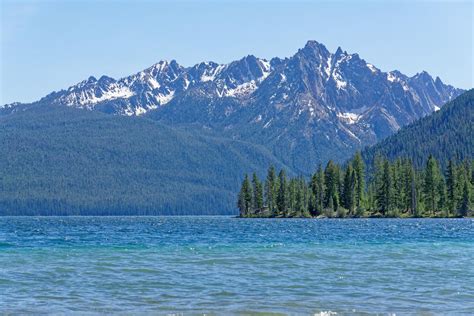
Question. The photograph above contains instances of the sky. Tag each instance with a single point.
(50, 45)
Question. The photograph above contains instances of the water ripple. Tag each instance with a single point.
(223, 265)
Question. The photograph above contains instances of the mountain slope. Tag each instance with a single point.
(446, 134)
(306, 109)
(58, 160)
(314, 106)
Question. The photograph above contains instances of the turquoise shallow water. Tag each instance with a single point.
(223, 265)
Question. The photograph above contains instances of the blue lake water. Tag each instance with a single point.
(224, 265)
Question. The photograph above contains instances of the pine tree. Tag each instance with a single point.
(451, 187)
(299, 198)
(292, 198)
(359, 168)
(349, 190)
(413, 193)
(276, 190)
(241, 201)
(245, 198)
(398, 185)
(430, 188)
(377, 183)
(318, 188)
(270, 189)
(248, 196)
(408, 178)
(385, 189)
(257, 194)
(442, 196)
(331, 179)
(472, 172)
(282, 198)
(393, 187)
(371, 201)
(308, 198)
(465, 200)
(311, 203)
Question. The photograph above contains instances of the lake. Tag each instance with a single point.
(225, 265)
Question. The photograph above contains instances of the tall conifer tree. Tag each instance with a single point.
(359, 168)
(282, 198)
(257, 194)
(385, 189)
(270, 190)
(465, 199)
(451, 186)
(349, 189)
(430, 188)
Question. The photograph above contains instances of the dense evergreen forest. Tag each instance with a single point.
(63, 161)
(394, 189)
(446, 134)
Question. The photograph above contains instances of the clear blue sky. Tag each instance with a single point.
(50, 45)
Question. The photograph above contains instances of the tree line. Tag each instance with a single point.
(392, 189)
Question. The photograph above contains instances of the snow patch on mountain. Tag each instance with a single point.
(241, 90)
(327, 86)
(210, 74)
(372, 68)
(348, 117)
(90, 97)
(266, 69)
(328, 69)
(165, 98)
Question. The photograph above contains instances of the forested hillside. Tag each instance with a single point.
(58, 160)
(446, 134)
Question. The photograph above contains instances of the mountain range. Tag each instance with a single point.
(177, 140)
(306, 109)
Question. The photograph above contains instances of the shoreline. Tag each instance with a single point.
(242, 217)
(358, 217)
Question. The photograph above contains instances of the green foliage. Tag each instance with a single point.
(446, 134)
(396, 190)
(432, 178)
(359, 169)
(283, 196)
(271, 191)
(318, 192)
(452, 186)
(63, 161)
(246, 203)
(384, 183)
(332, 185)
(257, 193)
(465, 199)
(349, 189)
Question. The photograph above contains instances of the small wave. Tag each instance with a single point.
(325, 313)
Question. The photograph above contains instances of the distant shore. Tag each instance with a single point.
(358, 217)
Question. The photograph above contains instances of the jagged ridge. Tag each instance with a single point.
(322, 104)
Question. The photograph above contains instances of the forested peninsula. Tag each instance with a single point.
(391, 189)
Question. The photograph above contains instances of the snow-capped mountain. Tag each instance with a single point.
(339, 80)
(308, 108)
(315, 106)
(159, 84)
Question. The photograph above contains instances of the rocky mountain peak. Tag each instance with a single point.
(314, 85)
